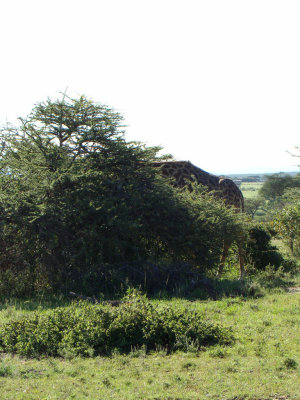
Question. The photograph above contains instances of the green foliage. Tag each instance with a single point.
(276, 184)
(5, 370)
(86, 330)
(253, 367)
(82, 209)
(253, 205)
(259, 251)
(271, 277)
(244, 288)
(290, 363)
(15, 284)
(287, 223)
(218, 352)
(284, 208)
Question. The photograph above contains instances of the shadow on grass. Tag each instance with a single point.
(253, 286)
(228, 288)
(36, 303)
(203, 288)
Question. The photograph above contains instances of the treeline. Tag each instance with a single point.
(82, 209)
(278, 185)
(278, 205)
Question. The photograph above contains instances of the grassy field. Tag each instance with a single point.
(264, 362)
(250, 189)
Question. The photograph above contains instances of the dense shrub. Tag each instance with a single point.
(290, 265)
(242, 287)
(82, 209)
(274, 278)
(263, 256)
(85, 329)
(259, 251)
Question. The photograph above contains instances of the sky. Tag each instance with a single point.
(215, 82)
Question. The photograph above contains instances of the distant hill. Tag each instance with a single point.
(257, 177)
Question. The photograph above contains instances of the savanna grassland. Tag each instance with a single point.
(262, 363)
(85, 211)
(250, 189)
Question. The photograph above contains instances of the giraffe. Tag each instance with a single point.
(183, 172)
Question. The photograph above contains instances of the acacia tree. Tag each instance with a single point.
(66, 173)
(276, 184)
(79, 203)
(287, 219)
(253, 205)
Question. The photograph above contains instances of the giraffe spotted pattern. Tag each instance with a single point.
(183, 173)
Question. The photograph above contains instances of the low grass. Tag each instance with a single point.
(264, 361)
(250, 189)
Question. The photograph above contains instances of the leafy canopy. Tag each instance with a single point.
(80, 205)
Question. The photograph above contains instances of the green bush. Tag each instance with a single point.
(236, 287)
(82, 209)
(5, 370)
(84, 329)
(290, 265)
(259, 251)
(273, 278)
(290, 363)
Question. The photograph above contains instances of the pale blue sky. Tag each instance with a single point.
(216, 82)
